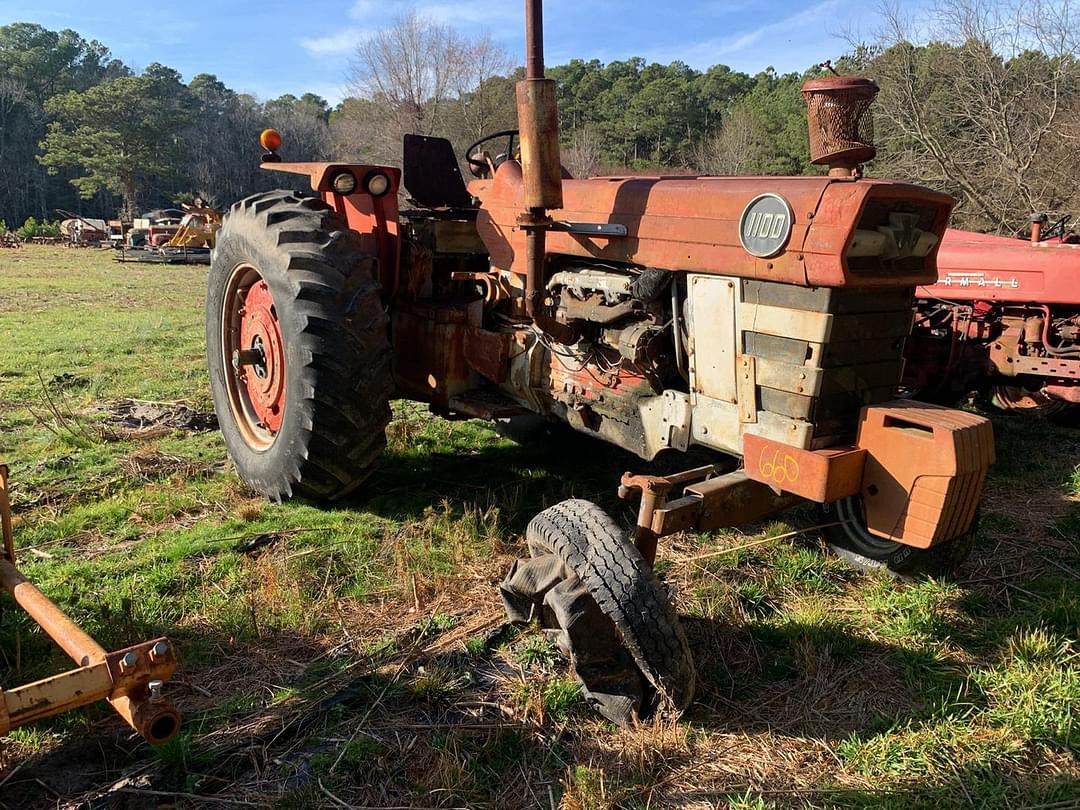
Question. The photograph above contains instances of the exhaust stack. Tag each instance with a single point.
(538, 119)
(541, 167)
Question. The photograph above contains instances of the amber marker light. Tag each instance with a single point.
(270, 140)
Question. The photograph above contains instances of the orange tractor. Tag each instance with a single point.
(753, 319)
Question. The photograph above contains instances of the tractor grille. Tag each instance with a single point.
(855, 359)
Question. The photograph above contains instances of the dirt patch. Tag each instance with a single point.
(139, 419)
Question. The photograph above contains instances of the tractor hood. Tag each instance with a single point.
(1002, 268)
(825, 231)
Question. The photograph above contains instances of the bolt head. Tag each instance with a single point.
(155, 688)
(159, 649)
(129, 660)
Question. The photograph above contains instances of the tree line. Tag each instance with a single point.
(979, 100)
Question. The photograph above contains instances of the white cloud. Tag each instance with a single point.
(369, 16)
(337, 43)
(362, 9)
(798, 21)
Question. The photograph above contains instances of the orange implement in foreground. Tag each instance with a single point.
(130, 679)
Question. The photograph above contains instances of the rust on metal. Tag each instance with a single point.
(657, 517)
(925, 470)
(654, 490)
(123, 677)
(538, 119)
(664, 217)
(488, 353)
(840, 123)
(429, 362)
(725, 500)
(822, 476)
(1066, 393)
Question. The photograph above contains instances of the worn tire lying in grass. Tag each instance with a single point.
(304, 410)
(853, 543)
(591, 587)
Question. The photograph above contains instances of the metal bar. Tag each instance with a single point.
(590, 229)
(5, 517)
(71, 638)
(645, 538)
(54, 695)
(130, 679)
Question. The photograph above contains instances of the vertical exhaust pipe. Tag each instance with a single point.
(538, 120)
(541, 168)
(1038, 221)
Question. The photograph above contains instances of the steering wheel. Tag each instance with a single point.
(1057, 229)
(479, 165)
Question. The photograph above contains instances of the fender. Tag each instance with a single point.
(374, 218)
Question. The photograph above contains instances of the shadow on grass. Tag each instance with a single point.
(381, 739)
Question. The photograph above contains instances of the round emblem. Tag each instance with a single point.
(765, 226)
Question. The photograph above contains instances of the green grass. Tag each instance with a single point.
(349, 649)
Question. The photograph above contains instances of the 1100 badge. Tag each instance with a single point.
(765, 226)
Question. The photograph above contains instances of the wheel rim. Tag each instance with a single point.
(254, 357)
(1017, 398)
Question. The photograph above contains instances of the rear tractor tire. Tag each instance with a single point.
(297, 348)
(594, 593)
(852, 542)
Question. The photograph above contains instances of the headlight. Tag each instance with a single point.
(344, 183)
(377, 184)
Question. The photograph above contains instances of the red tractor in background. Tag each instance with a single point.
(760, 322)
(1003, 318)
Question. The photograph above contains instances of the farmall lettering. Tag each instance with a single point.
(979, 280)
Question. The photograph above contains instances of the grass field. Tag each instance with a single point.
(348, 657)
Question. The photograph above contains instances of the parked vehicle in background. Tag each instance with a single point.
(1003, 318)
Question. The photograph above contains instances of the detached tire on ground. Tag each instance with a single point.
(297, 348)
(852, 542)
(592, 590)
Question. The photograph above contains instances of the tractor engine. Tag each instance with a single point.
(624, 353)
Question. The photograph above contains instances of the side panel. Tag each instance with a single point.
(982, 267)
(712, 345)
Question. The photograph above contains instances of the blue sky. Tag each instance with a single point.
(273, 47)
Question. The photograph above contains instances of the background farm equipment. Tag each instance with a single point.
(80, 231)
(164, 239)
(745, 318)
(1003, 319)
(131, 680)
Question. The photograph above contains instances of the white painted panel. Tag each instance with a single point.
(713, 347)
